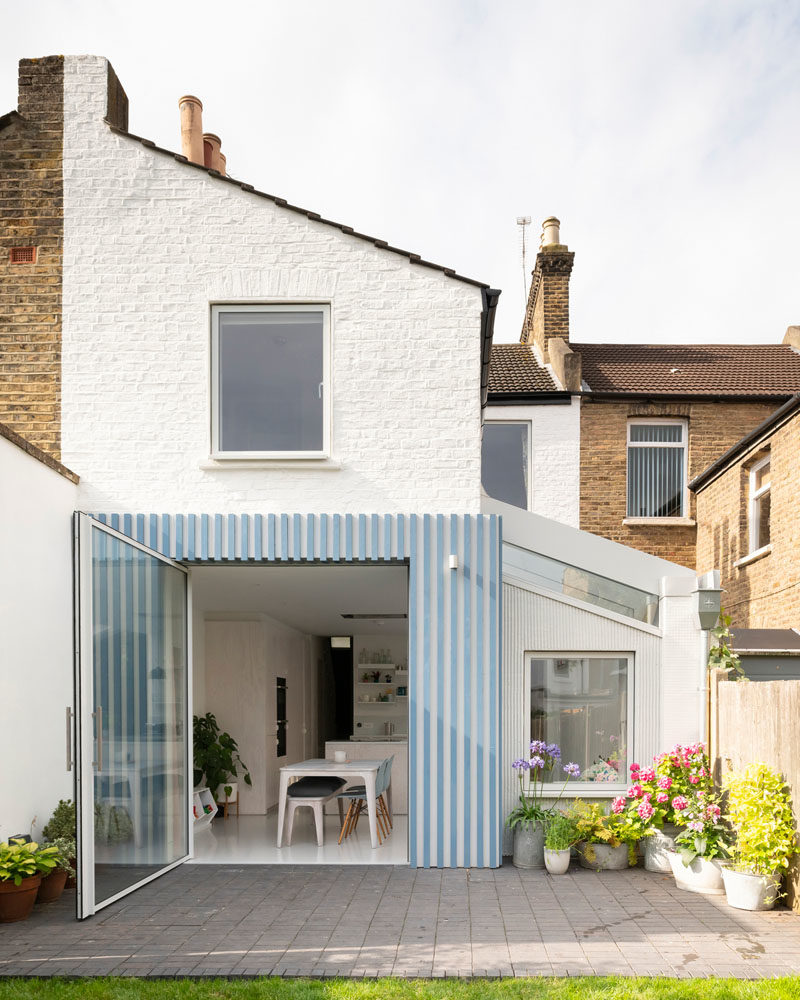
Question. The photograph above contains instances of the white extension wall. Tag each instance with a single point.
(555, 456)
(149, 243)
(36, 505)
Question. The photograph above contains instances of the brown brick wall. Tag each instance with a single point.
(764, 593)
(713, 428)
(547, 312)
(31, 214)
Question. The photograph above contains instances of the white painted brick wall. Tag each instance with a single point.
(555, 457)
(149, 243)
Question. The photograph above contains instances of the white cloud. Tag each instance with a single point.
(664, 136)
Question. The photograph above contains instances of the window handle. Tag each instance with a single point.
(98, 717)
(69, 738)
(319, 390)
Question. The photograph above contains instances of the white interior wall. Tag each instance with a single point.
(36, 504)
(242, 661)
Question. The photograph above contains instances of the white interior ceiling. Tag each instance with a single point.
(308, 598)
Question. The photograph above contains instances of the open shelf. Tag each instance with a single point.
(202, 799)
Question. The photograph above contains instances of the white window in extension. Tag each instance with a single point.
(584, 703)
(657, 468)
(270, 381)
(760, 482)
(505, 462)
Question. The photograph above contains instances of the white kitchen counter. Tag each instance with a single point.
(376, 750)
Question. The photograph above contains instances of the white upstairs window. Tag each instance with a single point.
(505, 461)
(760, 482)
(270, 368)
(657, 468)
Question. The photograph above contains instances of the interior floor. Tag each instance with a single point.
(251, 840)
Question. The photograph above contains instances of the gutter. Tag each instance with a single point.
(528, 399)
(773, 423)
(712, 397)
(489, 298)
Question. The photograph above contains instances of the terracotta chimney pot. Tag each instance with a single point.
(551, 232)
(191, 128)
(223, 164)
(211, 150)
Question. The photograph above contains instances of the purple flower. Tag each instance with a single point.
(553, 750)
(537, 761)
(521, 765)
(572, 770)
(537, 746)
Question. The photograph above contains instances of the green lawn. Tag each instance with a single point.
(613, 988)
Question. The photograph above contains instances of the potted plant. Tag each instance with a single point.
(62, 825)
(53, 883)
(760, 813)
(560, 835)
(605, 841)
(529, 817)
(700, 848)
(216, 755)
(21, 868)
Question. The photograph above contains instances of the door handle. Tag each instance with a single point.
(69, 738)
(98, 717)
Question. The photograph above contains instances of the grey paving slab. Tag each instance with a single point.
(367, 922)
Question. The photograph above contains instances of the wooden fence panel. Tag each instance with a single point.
(755, 722)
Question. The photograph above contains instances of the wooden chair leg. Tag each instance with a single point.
(346, 821)
(356, 815)
(386, 814)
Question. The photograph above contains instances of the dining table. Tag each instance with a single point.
(316, 767)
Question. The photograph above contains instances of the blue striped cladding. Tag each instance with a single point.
(454, 646)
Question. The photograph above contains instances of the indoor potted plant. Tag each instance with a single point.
(701, 846)
(760, 814)
(560, 835)
(216, 756)
(606, 841)
(54, 882)
(529, 817)
(21, 868)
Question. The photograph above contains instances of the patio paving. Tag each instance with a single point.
(221, 920)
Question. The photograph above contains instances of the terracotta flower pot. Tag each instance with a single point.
(52, 886)
(16, 901)
(72, 877)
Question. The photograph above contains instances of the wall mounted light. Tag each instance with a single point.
(453, 561)
(708, 599)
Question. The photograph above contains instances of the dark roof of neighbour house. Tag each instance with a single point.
(765, 640)
(788, 411)
(514, 369)
(35, 452)
(717, 370)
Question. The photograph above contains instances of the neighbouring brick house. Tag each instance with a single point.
(748, 524)
(650, 417)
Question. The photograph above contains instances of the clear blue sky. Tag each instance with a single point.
(665, 136)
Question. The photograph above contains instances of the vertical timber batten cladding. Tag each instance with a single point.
(454, 645)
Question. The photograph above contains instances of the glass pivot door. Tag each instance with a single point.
(132, 734)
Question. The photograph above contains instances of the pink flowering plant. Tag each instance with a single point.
(704, 835)
(661, 794)
(533, 771)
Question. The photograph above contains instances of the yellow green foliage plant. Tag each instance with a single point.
(760, 814)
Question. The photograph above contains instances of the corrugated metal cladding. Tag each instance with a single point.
(455, 815)
(534, 623)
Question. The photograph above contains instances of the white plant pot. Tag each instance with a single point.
(657, 847)
(529, 846)
(701, 875)
(601, 857)
(222, 798)
(556, 862)
(751, 892)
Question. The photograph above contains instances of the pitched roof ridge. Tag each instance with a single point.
(414, 258)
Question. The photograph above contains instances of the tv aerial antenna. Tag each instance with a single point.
(523, 221)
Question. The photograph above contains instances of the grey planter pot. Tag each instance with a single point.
(751, 892)
(657, 847)
(701, 875)
(557, 862)
(529, 846)
(602, 858)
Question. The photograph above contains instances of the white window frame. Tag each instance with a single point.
(754, 507)
(261, 307)
(645, 422)
(529, 477)
(580, 788)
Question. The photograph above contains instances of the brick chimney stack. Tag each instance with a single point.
(546, 324)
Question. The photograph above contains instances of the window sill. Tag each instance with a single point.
(752, 557)
(254, 464)
(678, 522)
